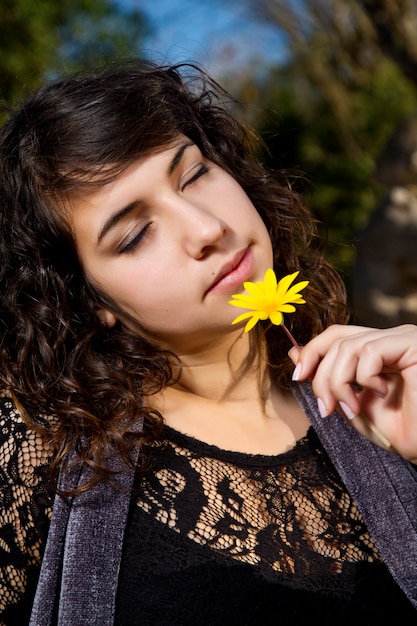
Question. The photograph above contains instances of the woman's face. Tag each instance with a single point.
(170, 241)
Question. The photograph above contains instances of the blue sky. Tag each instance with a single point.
(216, 33)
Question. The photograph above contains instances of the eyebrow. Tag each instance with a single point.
(119, 215)
(178, 156)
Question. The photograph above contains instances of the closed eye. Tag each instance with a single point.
(132, 243)
(200, 172)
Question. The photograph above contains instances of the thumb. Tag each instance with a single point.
(294, 355)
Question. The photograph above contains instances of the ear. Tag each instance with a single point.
(106, 317)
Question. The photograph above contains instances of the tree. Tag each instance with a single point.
(338, 44)
(37, 38)
(394, 23)
(349, 77)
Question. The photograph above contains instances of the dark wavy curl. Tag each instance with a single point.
(75, 380)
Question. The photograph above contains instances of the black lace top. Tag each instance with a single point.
(25, 511)
(213, 537)
(224, 538)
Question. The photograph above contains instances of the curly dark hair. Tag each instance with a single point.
(73, 379)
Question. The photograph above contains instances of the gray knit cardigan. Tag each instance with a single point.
(79, 574)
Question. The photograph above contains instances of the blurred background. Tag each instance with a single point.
(331, 85)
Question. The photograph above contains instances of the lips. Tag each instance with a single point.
(233, 273)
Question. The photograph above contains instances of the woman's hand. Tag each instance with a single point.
(371, 374)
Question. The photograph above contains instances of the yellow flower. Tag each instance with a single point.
(268, 299)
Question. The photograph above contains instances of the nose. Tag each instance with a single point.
(202, 230)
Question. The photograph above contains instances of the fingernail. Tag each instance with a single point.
(297, 371)
(322, 408)
(347, 410)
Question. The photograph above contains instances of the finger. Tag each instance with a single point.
(333, 378)
(294, 355)
(356, 354)
(389, 352)
(314, 352)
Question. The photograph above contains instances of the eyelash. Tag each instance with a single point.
(131, 245)
(200, 172)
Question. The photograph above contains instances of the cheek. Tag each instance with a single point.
(243, 208)
(147, 295)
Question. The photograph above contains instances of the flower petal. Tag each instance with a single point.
(287, 308)
(270, 280)
(254, 289)
(276, 318)
(268, 299)
(242, 317)
(252, 322)
(285, 282)
(293, 291)
(244, 304)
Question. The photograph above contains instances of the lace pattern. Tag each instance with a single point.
(25, 508)
(290, 515)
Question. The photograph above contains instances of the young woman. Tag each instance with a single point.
(201, 479)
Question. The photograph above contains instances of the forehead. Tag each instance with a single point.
(91, 181)
(91, 204)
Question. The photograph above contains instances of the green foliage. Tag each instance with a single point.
(53, 36)
(303, 135)
(91, 38)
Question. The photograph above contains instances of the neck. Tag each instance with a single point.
(230, 371)
(225, 397)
